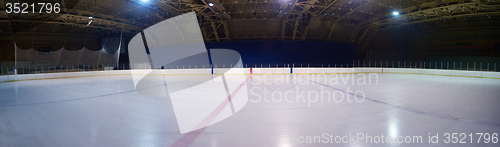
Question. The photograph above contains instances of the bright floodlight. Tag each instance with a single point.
(211, 4)
(395, 13)
(90, 17)
(144, 1)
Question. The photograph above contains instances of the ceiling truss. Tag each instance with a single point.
(226, 20)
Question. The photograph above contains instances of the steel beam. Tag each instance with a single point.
(295, 27)
(214, 30)
(331, 31)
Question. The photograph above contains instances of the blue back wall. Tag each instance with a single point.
(288, 52)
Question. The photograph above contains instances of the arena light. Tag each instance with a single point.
(395, 13)
(144, 1)
(210, 4)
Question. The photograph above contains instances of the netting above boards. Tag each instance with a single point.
(64, 57)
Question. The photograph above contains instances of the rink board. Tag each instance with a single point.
(256, 71)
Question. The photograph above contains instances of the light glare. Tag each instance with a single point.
(395, 13)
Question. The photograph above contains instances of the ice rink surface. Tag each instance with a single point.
(283, 110)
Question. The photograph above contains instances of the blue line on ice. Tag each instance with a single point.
(97, 96)
(415, 111)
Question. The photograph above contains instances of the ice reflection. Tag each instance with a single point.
(393, 125)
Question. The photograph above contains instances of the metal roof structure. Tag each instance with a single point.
(349, 21)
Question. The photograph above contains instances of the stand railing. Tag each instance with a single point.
(446, 65)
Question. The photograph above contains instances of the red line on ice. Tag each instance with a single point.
(187, 139)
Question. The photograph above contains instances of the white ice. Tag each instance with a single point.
(107, 111)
